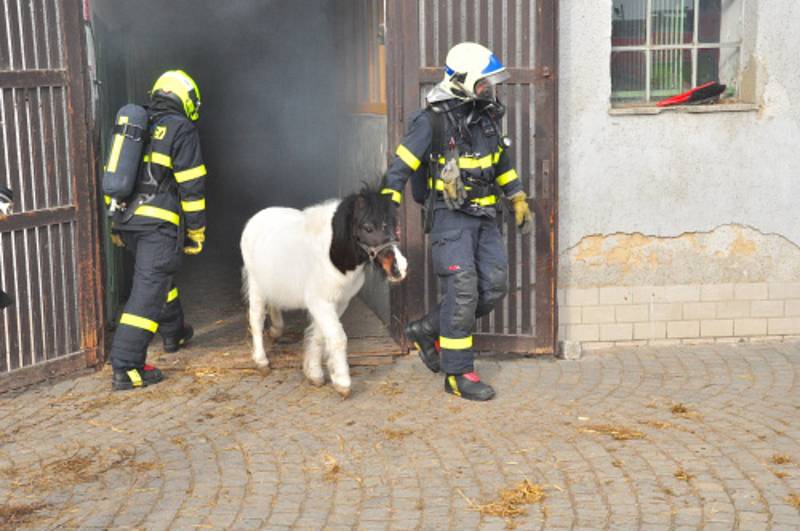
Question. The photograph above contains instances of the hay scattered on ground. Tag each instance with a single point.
(396, 415)
(84, 466)
(391, 388)
(682, 411)
(781, 459)
(331, 468)
(620, 433)
(14, 515)
(616, 463)
(794, 500)
(222, 396)
(511, 502)
(779, 474)
(200, 373)
(682, 475)
(659, 424)
(396, 435)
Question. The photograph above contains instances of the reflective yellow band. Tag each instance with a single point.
(116, 148)
(496, 156)
(159, 158)
(172, 295)
(467, 163)
(482, 201)
(485, 201)
(136, 379)
(397, 197)
(160, 213)
(409, 158)
(455, 344)
(107, 199)
(138, 322)
(454, 385)
(507, 177)
(191, 173)
(440, 185)
(193, 206)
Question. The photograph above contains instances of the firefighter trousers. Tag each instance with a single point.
(153, 305)
(470, 260)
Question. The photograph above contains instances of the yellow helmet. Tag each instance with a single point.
(180, 87)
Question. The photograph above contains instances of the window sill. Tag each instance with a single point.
(694, 109)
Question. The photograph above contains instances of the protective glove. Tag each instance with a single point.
(522, 214)
(453, 192)
(196, 237)
(116, 239)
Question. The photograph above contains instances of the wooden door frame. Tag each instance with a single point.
(83, 209)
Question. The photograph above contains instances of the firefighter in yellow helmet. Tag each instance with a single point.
(459, 164)
(164, 219)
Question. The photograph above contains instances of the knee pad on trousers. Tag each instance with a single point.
(465, 293)
(493, 291)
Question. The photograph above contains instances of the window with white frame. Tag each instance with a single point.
(660, 48)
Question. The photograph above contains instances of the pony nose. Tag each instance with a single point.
(400, 262)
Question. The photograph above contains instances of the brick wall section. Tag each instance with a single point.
(668, 315)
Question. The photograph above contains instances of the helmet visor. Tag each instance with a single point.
(485, 88)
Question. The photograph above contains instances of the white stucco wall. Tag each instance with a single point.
(674, 173)
(679, 227)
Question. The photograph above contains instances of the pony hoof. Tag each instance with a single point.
(316, 381)
(275, 333)
(343, 391)
(261, 362)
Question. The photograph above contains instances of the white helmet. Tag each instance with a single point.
(471, 72)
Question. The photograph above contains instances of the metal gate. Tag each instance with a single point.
(49, 259)
(523, 33)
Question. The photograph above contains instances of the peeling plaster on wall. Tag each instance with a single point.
(729, 253)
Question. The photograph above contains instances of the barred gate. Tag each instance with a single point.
(49, 258)
(523, 34)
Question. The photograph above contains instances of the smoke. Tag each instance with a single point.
(268, 74)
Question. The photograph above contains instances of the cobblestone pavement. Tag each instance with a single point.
(645, 438)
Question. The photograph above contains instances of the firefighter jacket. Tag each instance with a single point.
(170, 189)
(485, 164)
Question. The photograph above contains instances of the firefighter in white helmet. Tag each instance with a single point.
(458, 162)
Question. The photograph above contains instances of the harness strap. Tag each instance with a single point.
(375, 250)
(134, 132)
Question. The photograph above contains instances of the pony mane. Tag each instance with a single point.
(345, 254)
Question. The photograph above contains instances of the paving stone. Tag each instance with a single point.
(551, 422)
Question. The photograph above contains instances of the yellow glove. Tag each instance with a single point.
(522, 214)
(197, 237)
(116, 239)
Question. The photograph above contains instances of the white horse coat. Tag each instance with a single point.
(288, 265)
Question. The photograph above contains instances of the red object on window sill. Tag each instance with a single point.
(706, 91)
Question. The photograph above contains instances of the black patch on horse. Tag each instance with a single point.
(368, 206)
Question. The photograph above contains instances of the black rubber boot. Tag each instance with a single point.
(468, 386)
(133, 378)
(424, 338)
(172, 344)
